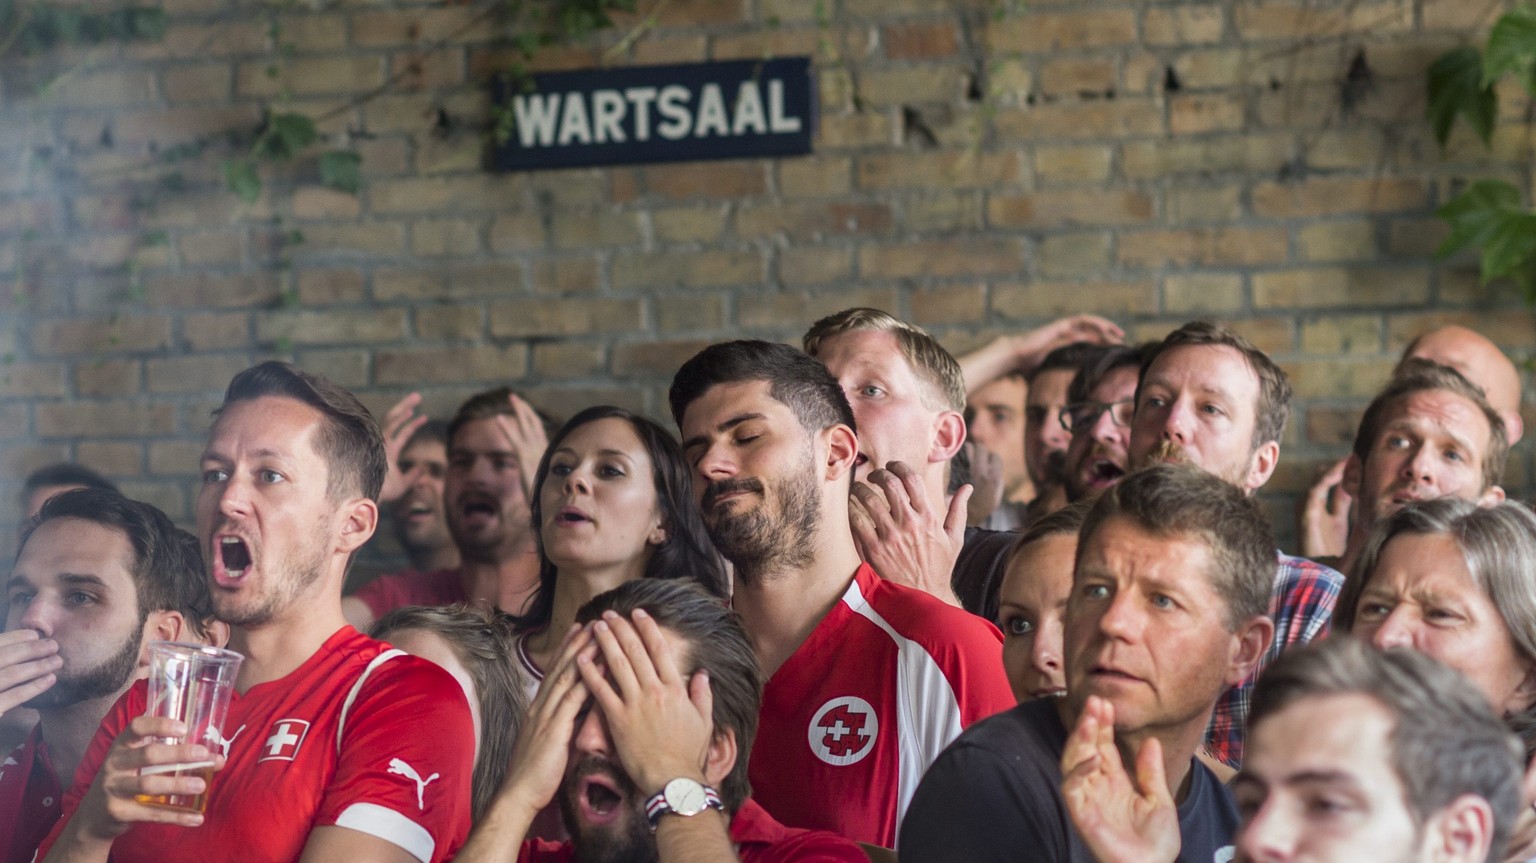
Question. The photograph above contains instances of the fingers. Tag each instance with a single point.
(656, 647)
(902, 487)
(28, 666)
(1151, 779)
(863, 525)
(400, 422)
(702, 696)
(876, 508)
(954, 520)
(628, 663)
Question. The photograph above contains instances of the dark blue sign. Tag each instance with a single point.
(692, 112)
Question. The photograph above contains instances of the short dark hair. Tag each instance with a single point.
(431, 431)
(167, 565)
(1066, 358)
(687, 551)
(349, 439)
(1445, 742)
(795, 379)
(720, 647)
(1097, 366)
(1066, 520)
(1416, 375)
(1273, 407)
(65, 473)
(482, 640)
(1171, 500)
(487, 405)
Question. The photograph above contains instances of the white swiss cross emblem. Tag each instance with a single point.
(284, 741)
(843, 731)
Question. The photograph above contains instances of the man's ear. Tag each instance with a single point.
(1462, 832)
(1514, 426)
(1262, 465)
(359, 518)
(948, 436)
(1249, 644)
(166, 626)
(720, 758)
(842, 451)
(1492, 497)
(1354, 472)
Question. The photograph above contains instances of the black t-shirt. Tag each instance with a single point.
(995, 795)
(978, 572)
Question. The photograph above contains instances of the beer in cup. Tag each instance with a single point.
(191, 683)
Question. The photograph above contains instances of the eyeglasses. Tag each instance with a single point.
(1084, 414)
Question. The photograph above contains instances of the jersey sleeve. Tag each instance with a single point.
(406, 760)
(123, 711)
(972, 808)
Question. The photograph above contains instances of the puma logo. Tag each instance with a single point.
(400, 768)
(225, 742)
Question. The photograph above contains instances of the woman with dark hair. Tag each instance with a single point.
(613, 502)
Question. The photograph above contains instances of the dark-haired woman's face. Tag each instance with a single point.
(599, 504)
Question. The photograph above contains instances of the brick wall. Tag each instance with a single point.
(980, 167)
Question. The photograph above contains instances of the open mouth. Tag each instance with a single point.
(1105, 472)
(478, 508)
(235, 554)
(600, 799)
(571, 515)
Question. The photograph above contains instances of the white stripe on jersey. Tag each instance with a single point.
(391, 826)
(346, 706)
(928, 713)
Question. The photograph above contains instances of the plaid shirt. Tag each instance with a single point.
(1302, 607)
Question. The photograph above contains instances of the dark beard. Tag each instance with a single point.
(105, 679)
(758, 543)
(630, 842)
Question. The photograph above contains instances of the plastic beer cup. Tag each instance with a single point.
(191, 683)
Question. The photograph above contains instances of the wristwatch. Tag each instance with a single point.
(681, 796)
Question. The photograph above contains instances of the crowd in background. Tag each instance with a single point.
(869, 602)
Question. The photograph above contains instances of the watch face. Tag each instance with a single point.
(685, 797)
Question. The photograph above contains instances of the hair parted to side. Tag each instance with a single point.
(349, 439)
(1446, 741)
(687, 552)
(1065, 521)
(795, 379)
(1071, 358)
(1274, 405)
(1498, 544)
(1181, 501)
(719, 646)
(934, 365)
(167, 565)
(1416, 375)
(482, 641)
(1097, 366)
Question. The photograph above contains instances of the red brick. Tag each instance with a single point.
(918, 41)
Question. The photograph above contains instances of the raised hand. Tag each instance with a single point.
(661, 721)
(524, 432)
(901, 537)
(539, 755)
(1120, 821)
(113, 804)
(28, 667)
(1324, 514)
(399, 424)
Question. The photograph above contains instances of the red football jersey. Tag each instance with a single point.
(850, 722)
(360, 736)
(30, 798)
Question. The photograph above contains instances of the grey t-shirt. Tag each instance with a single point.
(995, 795)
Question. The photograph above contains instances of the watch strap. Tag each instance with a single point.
(656, 805)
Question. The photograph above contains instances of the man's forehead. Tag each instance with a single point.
(1336, 736)
(1118, 383)
(275, 425)
(74, 547)
(723, 402)
(1442, 410)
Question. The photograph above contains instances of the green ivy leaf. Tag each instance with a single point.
(285, 136)
(1511, 47)
(1490, 215)
(342, 170)
(241, 177)
(1456, 87)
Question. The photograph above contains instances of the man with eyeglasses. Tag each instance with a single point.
(1100, 402)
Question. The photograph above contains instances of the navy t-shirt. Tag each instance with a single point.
(995, 795)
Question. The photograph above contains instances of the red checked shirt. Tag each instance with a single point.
(852, 719)
(1301, 605)
(30, 798)
(360, 736)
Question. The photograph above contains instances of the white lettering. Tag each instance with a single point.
(640, 98)
(749, 110)
(711, 116)
(673, 105)
(573, 124)
(608, 116)
(776, 119)
(536, 114)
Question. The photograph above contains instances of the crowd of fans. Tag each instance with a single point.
(872, 602)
